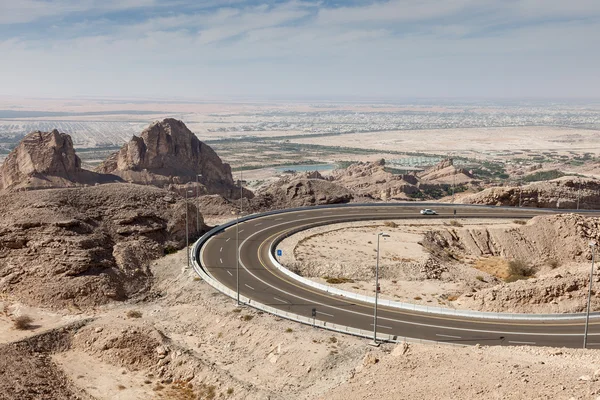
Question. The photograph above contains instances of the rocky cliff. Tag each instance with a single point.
(299, 191)
(446, 173)
(44, 160)
(373, 181)
(87, 246)
(167, 154)
(563, 192)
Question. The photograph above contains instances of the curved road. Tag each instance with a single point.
(262, 282)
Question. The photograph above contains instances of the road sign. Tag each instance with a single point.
(314, 312)
(279, 253)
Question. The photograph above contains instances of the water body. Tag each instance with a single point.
(307, 167)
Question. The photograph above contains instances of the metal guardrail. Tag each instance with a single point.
(197, 250)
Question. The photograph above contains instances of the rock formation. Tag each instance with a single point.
(87, 246)
(167, 154)
(45, 160)
(563, 192)
(446, 173)
(373, 181)
(299, 191)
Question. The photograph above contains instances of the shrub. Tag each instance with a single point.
(134, 314)
(289, 330)
(230, 390)
(170, 250)
(519, 269)
(418, 298)
(339, 280)
(23, 322)
(480, 278)
(247, 317)
(553, 263)
(333, 339)
(519, 222)
(390, 224)
(456, 223)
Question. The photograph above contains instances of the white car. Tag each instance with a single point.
(428, 211)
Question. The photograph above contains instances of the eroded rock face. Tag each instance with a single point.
(565, 192)
(373, 181)
(87, 246)
(168, 153)
(40, 156)
(299, 192)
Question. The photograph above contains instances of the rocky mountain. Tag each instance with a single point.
(167, 154)
(87, 246)
(373, 181)
(446, 173)
(563, 192)
(45, 160)
(300, 190)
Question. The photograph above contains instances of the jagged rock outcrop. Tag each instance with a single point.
(446, 173)
(45, 160)
(167, 154)
(299, 192)
(90, 245)
(563, 192)
(373, 181)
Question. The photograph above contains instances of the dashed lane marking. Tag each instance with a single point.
(447, 336)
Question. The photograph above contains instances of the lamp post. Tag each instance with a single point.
(587, 316)
(197, 204)
(187, 229)
(374, 343)
(237, 246)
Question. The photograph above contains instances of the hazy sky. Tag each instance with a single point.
(268, 49)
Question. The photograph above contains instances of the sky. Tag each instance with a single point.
(293, 49)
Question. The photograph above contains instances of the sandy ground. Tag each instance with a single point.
(242, 354)
(348, 250)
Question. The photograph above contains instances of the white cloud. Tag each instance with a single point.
(403, 47)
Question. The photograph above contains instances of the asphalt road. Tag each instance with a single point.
(259, 280)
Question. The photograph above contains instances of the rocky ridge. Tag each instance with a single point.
(87, 246)
(563, 192)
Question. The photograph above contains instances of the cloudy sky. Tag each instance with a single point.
(300, 49)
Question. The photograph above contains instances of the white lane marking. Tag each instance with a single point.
(448, 336)
(593, 344)
(259, 224)
(382, 326)
(398, 320)
(220, 259)
(248, 286)
(228, 239)
(283, 301)
(324, 313)
(392, 319)
(278, 219)
(220, 251)
(241, 230)
(515, 342)
(301, 215)
(230, 274)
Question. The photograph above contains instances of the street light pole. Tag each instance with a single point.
(587, 316)
(197, 204)
(237, 246)
(374, 343)
(187, 233)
